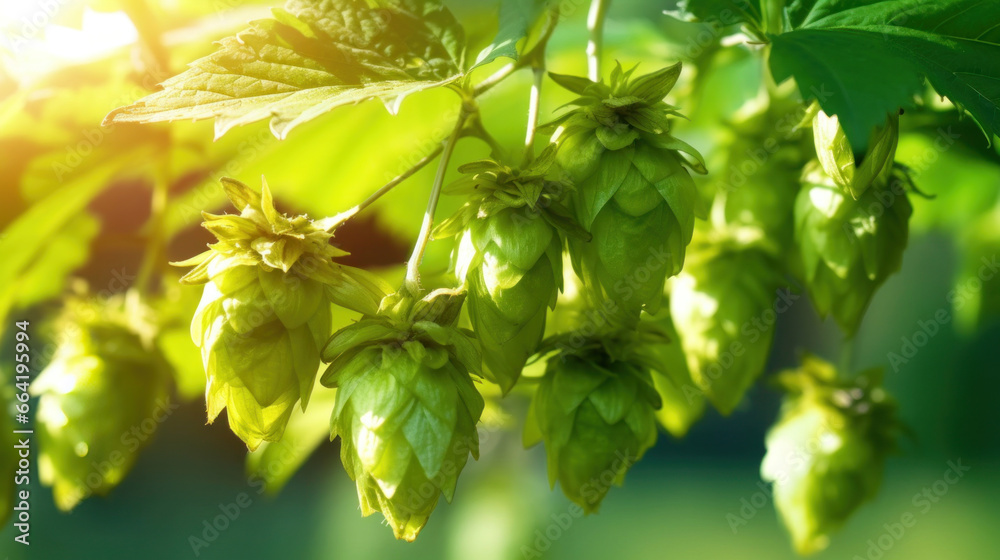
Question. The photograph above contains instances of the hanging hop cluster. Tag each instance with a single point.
(265, 310)
(826, 453)
(634, 192)
(406, 408)
(509, 255)
(100, 397)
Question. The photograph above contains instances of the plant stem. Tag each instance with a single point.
(529, 58)
(348, 214)
(155, 243)
(595, 46)
(533, 102)
(412, 282)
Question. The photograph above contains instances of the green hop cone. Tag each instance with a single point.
(105, 389)
(827, 451)
(837, 158)
(509, 256)
(683, 402)
(595, 410)
(265, 310)
(634, 192)
(407, 407)
(760, 172)
(723, 305)
(848, 248)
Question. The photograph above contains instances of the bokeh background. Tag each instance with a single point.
(679, 502)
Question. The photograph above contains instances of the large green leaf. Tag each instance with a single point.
(516, 19)
(313, 56)
(864, 58)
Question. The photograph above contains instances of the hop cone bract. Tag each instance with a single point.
(837, 158)
(265, 310)
(406, 408)
(826, 453)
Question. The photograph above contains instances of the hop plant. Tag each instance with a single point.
(265, 310)
(826, 453)
(509, 256)
(406, 408)
(848, 247)
(106, 383)
(838, 160)
(595, 409)
(718, 304)
(634, 192)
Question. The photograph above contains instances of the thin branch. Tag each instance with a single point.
(348, 214)
(533, 101)
(595, 46)
(412, 282)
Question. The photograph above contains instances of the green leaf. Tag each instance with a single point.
(310, 58)
(516, 19)
(726, 12)
(862, 59)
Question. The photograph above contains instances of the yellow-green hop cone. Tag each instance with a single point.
(596, 414)
(265, 310)
(848, 248)
(633, 189)
(406, 407)
(723, 304)
(837, 158)
(826, 454)
(100, 398)
(509, 257)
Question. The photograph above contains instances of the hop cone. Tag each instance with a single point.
(759, 175)
(837, 158)
(848, 247)
(683, 402)
(265, 310)
(722, 305)
(596, 414)
(826, 453)
(510, 257)
(406, 408)
(103, 392)
(633, 189)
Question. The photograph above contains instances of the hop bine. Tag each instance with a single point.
(634, 192)
(406, 408)
(510, 256)
(826, 453)
(103, 389)
(847, 247)
(595, 410)
(265, 310)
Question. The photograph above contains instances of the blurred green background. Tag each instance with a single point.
(679, 502)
